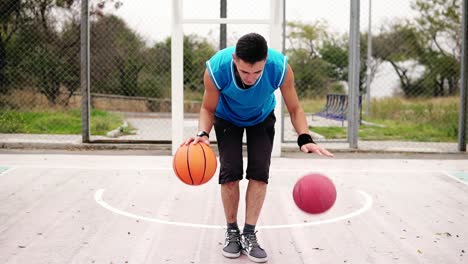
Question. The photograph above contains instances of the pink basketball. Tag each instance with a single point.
(314, 193)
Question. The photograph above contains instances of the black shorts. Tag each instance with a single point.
(259, 147)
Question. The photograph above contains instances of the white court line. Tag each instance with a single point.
(367, 205)
(454, 177)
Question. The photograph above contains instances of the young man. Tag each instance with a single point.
(240, 83)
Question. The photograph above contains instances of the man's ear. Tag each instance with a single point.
(234, 57)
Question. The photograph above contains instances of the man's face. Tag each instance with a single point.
(249, 73)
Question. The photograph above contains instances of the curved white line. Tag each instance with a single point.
(8, 170)
(100, 201)
(367, 206)
(453, 177)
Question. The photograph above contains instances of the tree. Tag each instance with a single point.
(432, 43)
(10, 20)
(335, 52)
(320, 59)
(196, 51)
(311, 71)
(439, 22)
(116, 57)
(156, 78)
(39, 42)
(399, 44)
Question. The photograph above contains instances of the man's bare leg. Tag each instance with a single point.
(230, 197)
(256, 192)
(255, 196)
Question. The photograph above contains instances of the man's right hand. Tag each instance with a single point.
(195, 140)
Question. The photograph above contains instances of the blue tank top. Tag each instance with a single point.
(246, 107)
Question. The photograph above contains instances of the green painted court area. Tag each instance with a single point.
(461, 175)
(3, 169)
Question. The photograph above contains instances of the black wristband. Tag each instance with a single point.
(304, 139)
(203, 134)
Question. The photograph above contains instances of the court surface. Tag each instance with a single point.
(88, 208)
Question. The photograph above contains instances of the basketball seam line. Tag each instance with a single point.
(204, 163)
(188, 164)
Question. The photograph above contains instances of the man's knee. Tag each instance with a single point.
(257, 179)
(230, 184)
(258, 182)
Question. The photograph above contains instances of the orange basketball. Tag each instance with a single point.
(194, 164)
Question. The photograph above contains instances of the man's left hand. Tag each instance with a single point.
(314, 148)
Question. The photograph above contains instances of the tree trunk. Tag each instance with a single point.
(405, 82)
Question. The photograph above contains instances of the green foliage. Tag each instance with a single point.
(337, 88)
(116, 57)
(9, 17)
(196, 51)
(314, 73)
(36, 52)
(155, 79)
(137, 70)
(310, 75)
(398, 42)
(320, 59)
(440, 21)
(307, 36)
(336, 54)
(433, 43)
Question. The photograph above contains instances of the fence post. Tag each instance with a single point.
(464, 80)
(369, 60)
(223, 27)
(177, 75)
(85, 73)
(283, 50)
(276, 27)
(353, 76)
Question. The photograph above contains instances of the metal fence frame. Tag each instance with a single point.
(276, 24)
(464, 80)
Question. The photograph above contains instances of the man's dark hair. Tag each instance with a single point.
(252, 48)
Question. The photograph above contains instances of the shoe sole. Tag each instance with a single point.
(231, 255)
(254, 259)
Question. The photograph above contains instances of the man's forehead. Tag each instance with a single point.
(258, 66)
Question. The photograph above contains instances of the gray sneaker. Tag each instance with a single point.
(252, 249)
(232, 246)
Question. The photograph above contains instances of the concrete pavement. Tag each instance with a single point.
(70, 208)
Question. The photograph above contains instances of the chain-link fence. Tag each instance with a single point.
(130, 74)
(39, 67)
(409, 86)
(414, 77)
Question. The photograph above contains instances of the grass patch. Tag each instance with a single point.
(419, 120)
(391, 131)
(57, 122)
(312, 105)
